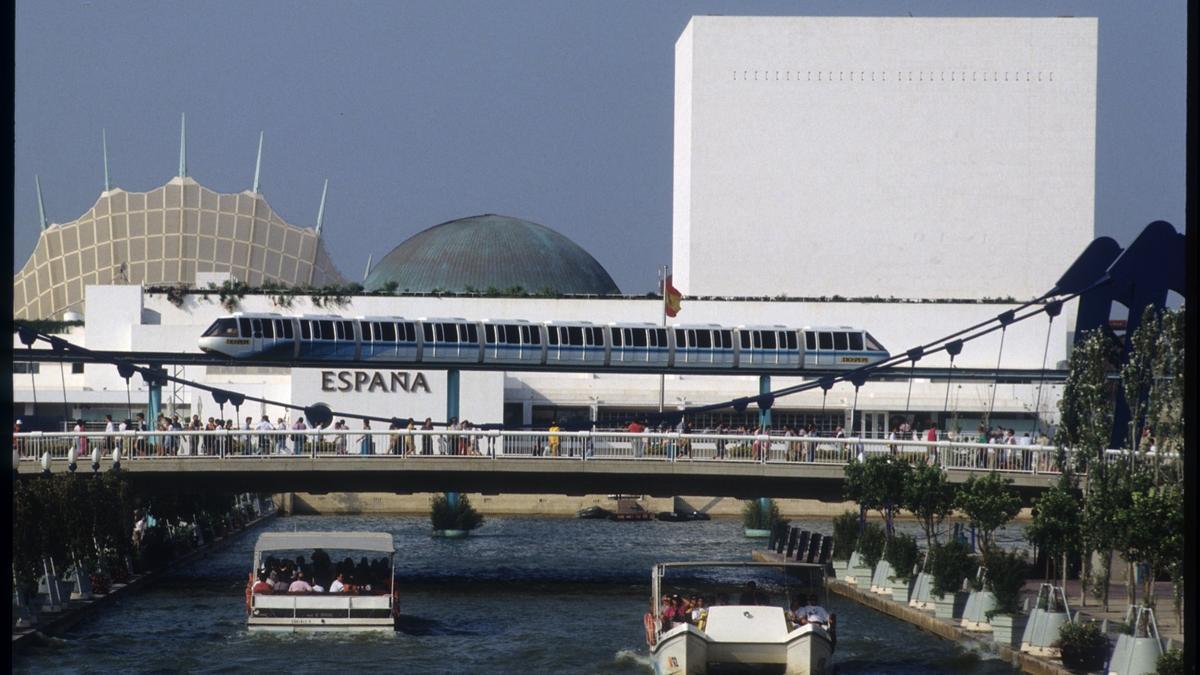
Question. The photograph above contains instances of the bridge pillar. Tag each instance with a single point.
(764, 414)
(452, 414)
(155, 386)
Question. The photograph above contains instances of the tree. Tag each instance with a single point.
(988, 503)
(929, 496)
(877, 484)
(1056, 526)
(1154, 530)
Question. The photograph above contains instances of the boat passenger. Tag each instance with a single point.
(752, 596)
(281, 585)
(813, 612)
(338, 585)
(300, 585)
(262, 585)
(668, 613)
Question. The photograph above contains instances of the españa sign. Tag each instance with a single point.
(397, 382)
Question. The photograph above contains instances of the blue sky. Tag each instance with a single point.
(422, 112)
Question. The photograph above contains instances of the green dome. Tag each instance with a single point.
(491, 252)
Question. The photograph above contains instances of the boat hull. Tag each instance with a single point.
(381, 627)
(686, 650)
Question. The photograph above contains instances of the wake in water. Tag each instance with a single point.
(628, 657)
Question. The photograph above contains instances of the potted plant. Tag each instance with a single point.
(453, 520)
(950, 564)
(758, 518)
(1083, 646)
(870, 550)
(903, 555)
(845, 532)
(1006, 573)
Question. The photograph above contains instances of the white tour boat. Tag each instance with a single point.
(752, 635)
(358, 607)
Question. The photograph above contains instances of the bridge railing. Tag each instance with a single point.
(366, 444)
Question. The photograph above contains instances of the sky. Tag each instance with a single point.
(422, 112)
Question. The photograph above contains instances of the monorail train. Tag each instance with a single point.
(274, 337)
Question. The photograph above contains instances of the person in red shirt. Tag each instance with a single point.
(262, 585)
(635, 428)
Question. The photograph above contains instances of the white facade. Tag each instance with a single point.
(125, 318)
(882, 157)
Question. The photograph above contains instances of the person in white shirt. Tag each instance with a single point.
(300, 585)
(281, 439)
(264, 442)
(813, 612)
(109, 428)
(337, 586)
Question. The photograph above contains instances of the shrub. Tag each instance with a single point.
(902, 554)
(949, 564)
(755, 518)
(1006, 574)
(1171, 662)
(845, 532)
(871, 543)
(465, 517)
(1083, 645)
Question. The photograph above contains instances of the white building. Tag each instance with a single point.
(882, 157)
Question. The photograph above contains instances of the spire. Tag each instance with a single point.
(104, 143)
(41, 208)
(257, 163)
(321, 210)
(182, 145)
(367, 272)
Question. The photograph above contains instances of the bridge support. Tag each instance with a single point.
(764, 414)
(452, 416)
(155, 385)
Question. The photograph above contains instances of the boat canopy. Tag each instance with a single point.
(294, 541)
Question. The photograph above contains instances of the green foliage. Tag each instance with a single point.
(465, 517)
(1083, 645)
(390, 287)
(929, 496)
(903, 554)
(988, 503)
(47, 326)
(231, 292)
(870, 544)
(754, 517)
(1006, 575)
(877, 484)
(1154, 527)
(1171, 662)
(176, 295)
(949, 564)
(845, 533)
(1086, 407)
(1056, 522)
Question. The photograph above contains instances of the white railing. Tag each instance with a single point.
(253, 445)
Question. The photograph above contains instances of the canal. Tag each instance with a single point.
(521, 595)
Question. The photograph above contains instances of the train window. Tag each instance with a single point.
(810, 340)
(704, 339)
(618, 337)
(873, 345)
(348, 329)
(745, 336)
(473, 333)
(256, 326)
(427, 329)
(222, 328)
(340, 330)
(552, 335)
(825, 340)
(376, 332)
(661, 335)
(439, 333)
(839, 341)
(680, 338)
(792, 343)
(364, 329)
(287, 329)
(269, 328)
(575, 336)
(244, 326)
(535, 335)
(768, 339)
(639, 337)
(523, 333)
(489, 334)
(856, 341)
(305, 334)
(326, 329)
(512, 335)
(410, 332)
(726, 339)
(598, 337)
(387, 332)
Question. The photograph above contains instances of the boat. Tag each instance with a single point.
(751, 636)
(593, 513)
(682, 516)
(361, 607)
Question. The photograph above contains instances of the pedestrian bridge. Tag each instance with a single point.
(494, 462)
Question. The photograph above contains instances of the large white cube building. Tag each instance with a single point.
(925, 158)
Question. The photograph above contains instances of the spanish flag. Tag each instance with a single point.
(674, 299)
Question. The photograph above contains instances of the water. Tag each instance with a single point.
(521, 595)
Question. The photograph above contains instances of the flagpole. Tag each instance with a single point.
(662, 378)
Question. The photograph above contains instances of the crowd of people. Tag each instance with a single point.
(693, 609)
(319, 574)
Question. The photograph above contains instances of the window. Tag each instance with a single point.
(680, 338)
(375, 334)
(839, 341)
(387, 332)
(244, 325)
(745, 336)
(660, 335)
(439, 332)
(222, 328)
(618, 337)
(410, 332)
(639, 337)
(428, 330)
(256, 326)
(575, 336)
(268, 329)
(287, 329)
(726, 339)
(348, 329)
(552, 335)
(76, 368)
(340, 330)
(534, 334)
(489, 334)
(810, 340)
(825, 340)
(768, 339)
(472, 334)
(512, 334)
(26, 367)
(856, 341)
(873, 344)
(523, 333)
(305, 333)
(793, 343)
(598, 337)
(326, 330)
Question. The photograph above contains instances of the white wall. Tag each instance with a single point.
(882, 156)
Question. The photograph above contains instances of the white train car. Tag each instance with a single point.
(639, 345)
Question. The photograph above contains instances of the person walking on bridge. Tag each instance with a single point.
(298, 439)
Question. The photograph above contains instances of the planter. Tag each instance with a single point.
(753, 533)
(900, 591)
(1007, 629)
(979, 603)
(881, 580)
(920, 596)
(1043, 635)
(949, 606)
(451, 534)
(1135, 655)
